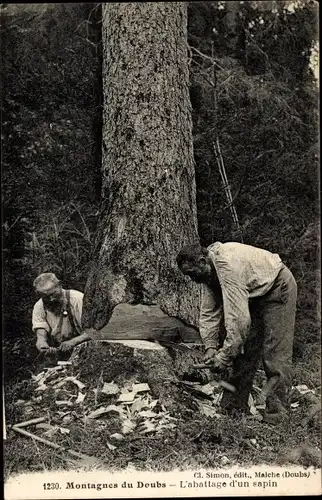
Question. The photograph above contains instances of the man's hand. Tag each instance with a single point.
(43, 347)
(67, 346)
(50, 351)
(219, 365)
(210, 354)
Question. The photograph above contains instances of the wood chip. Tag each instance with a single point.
(149, 427)
(42, 387)
(147, 414)
(126, 396)
(207, 389)
(140, 388)
(252, 407)
(80, 398)
(110, 388)
(103, 411)
(77, 382)
(128, 426)
(303, 389)
(110, 446)
(138, 405)
(64, 430)
(117, 436)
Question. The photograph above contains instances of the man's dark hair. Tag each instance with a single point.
(190, 253)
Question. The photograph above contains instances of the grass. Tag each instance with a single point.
(197, 441)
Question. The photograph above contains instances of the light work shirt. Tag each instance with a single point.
(244, 272)
(49, 321)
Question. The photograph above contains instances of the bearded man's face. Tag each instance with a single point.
(53, 299)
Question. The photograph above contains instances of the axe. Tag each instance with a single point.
(225, 385)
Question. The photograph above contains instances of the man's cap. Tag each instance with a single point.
(45, 282)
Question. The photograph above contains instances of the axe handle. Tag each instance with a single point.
(222, 383)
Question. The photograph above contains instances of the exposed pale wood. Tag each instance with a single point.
(142, 322)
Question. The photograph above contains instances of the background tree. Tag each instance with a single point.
(148, 195)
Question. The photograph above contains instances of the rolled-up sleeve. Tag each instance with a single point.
(39, 317)
(211, 318)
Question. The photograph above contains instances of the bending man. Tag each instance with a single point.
(240, 282)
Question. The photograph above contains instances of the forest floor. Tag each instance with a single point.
(121, 423)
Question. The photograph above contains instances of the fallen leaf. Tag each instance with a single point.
(110, 388)
(295, 405)
(153, 403)
(140, 388)
(20, 402)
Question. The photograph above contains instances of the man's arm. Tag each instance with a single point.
(42, 339)
(237, 317)
(211, 317)
(40, 326)
(83, 337)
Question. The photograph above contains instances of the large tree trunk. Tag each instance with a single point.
(149, 209)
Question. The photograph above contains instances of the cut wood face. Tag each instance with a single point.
(138, 344)
(143, 322)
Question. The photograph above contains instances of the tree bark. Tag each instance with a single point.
(148, 207)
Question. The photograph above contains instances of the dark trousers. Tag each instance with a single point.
(270, 339)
